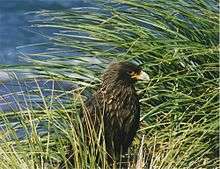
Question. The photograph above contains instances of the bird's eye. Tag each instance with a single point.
(131, 73)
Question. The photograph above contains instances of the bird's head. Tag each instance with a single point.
(125, 71)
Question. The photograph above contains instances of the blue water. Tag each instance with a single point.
(14, 20)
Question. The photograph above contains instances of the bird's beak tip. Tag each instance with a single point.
(144, 76)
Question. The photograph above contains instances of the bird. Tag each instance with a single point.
(115, 107)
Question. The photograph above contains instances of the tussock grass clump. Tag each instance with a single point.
(177, 44)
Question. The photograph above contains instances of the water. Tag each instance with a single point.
(13, 22)
(13, 33)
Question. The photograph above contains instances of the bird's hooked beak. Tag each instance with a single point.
(141, 76)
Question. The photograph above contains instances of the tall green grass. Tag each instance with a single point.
(177, 44)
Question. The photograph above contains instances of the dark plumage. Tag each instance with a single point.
(114, 108)
(117, 105)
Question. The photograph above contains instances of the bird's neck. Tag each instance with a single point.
(119, 90)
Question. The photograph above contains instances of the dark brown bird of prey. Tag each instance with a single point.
(115, 106)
